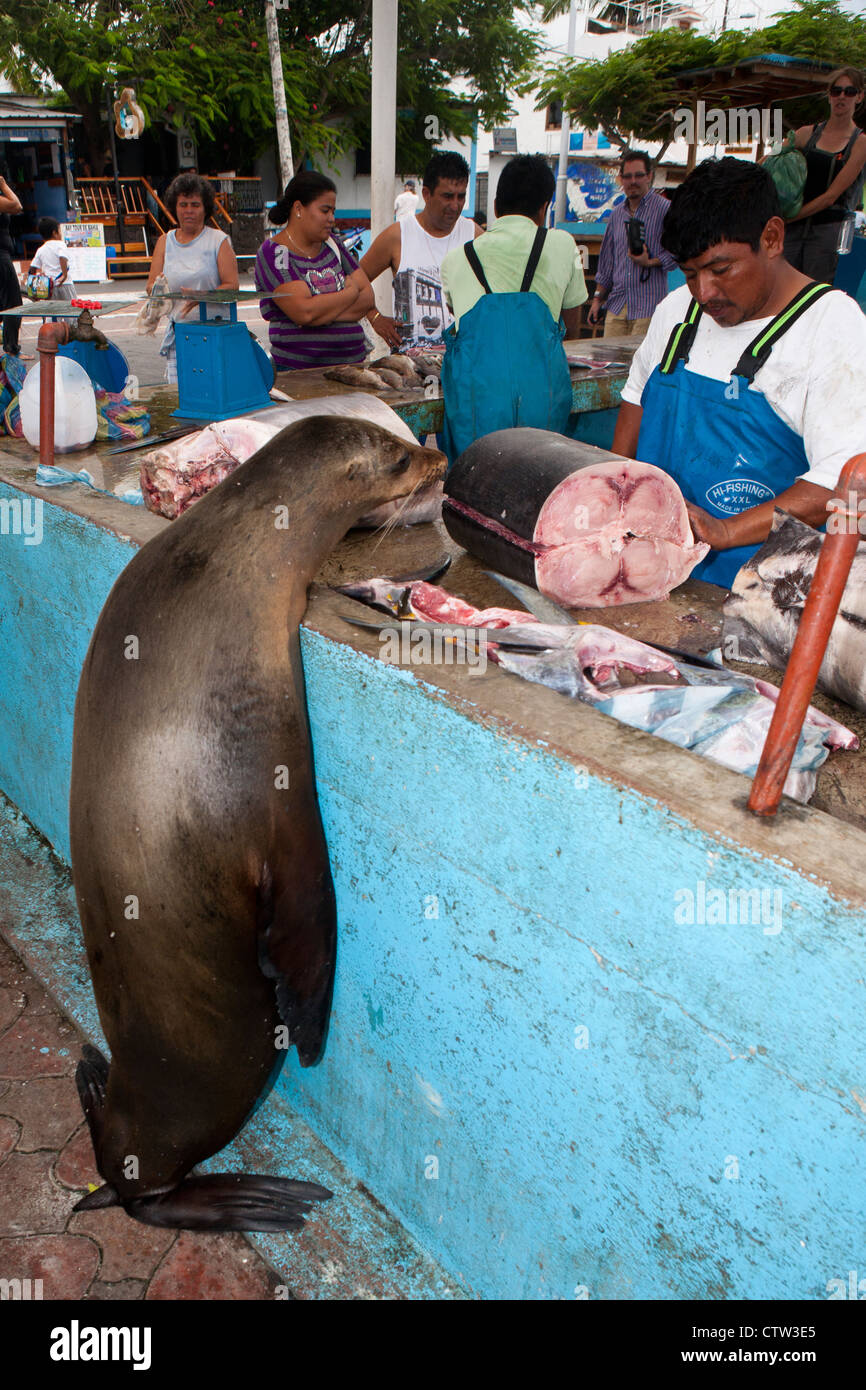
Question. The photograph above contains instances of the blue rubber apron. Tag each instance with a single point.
(506, 366)
(721, 442)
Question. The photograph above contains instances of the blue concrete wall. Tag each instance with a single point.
(564, 1167)
(51, 595)
(554, 1083)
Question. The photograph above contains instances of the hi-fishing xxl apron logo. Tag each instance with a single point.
(735, 495)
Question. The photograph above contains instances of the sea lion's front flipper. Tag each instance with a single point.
(230, 1202)
(297, 935)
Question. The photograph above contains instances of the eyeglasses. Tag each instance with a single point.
(843, 91)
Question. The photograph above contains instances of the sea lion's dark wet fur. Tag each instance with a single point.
(203, 882)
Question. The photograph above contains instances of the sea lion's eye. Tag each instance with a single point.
(402, 463)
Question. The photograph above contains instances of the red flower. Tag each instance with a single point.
(220, 20)
(253, 44)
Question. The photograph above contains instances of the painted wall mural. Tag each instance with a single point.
(593, 191)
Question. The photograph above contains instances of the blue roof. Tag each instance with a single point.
(782, 59)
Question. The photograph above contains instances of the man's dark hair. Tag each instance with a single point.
(525, 186)
(721, 200)
(631, 155)
(445, 164)
(190, 186)
(47, 226)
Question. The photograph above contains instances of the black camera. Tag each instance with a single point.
(635, 230)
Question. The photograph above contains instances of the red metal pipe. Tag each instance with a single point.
(51, 335)
(804, 663)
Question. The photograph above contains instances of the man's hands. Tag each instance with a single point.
(712, 529)
(387, 329)
(594, 310)
(644, 259)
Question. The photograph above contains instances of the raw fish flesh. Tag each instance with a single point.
(176, 475)
(588, 528)
(721, 714)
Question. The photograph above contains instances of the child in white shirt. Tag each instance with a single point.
(52, 259)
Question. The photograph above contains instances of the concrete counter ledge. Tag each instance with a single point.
(597, 1032)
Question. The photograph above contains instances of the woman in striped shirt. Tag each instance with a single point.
(313, 294)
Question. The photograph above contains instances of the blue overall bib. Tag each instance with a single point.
(722, 443)
(506, 366)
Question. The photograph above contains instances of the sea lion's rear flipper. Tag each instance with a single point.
(230, 1202)
(297, 939)
(91, 1080)
(99, 1198)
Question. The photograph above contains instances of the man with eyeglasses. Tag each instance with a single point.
(835, 152)
(631, 282)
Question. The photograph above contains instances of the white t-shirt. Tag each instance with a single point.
(47, 259)
(814, 378)
(419, 300)
(405, 203)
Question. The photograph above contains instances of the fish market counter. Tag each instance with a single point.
(599, 368)
(597, 1031)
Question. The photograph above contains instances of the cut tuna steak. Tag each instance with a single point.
(588, 528)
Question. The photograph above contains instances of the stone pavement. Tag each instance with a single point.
(46, 1164)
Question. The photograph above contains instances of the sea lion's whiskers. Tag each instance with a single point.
(390, 522)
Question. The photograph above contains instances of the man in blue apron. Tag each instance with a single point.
(514, 292)
(747, 389)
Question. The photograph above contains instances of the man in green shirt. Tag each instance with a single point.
(504, 249)
(504, 361)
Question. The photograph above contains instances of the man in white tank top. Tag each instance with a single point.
(415, 248)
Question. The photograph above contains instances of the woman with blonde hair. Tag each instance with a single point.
(835, 152)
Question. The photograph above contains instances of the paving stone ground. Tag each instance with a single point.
(46, 1164)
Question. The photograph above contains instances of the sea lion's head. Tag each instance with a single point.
(372, 464)
(352, 465)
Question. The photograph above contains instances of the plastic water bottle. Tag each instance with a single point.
(74, 406)
(846, 235)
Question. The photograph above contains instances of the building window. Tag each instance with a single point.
(362, 161)
(553, 116)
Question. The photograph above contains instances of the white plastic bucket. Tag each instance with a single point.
(74, 406)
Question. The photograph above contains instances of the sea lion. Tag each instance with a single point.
(198, 855)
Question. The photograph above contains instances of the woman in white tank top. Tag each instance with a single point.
(192, 256)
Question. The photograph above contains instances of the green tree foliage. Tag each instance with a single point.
(633, 92)
(204, 64)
